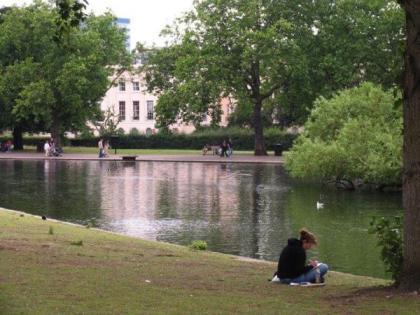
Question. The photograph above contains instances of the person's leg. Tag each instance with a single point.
(299, 279)
(312, 274)
(323, 268)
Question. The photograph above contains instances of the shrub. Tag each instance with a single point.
(357, 134)
(390, 238)
(77, 243)
(242, 139)
(51, 230)
(134, 132)
(198, 245)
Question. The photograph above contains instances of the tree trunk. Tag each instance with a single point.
(410, 279)
(56, 132)
(259, 130)
(17, 138)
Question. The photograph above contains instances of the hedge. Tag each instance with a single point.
(240, 140)
(193, 141)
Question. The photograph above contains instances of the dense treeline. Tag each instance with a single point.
(54, 72)
(274, 58)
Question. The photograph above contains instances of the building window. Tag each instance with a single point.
(122, 110)
(136, 86)
(121, 86)
(136, 110)
(149, 110)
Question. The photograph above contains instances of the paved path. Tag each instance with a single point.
(162, 158)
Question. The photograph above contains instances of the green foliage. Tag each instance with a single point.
(198, 245)
(120, 132)
(77, 243)
(357, 134)
(347, 42)
(51, 87)
(244, 49)
(70, 14)
(309, 48)
(108, 126)
(134, 132)
(390, 238)
(86, 133)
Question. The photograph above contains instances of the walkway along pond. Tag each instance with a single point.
(242, 209)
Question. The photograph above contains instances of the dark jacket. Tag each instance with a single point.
(292, 261)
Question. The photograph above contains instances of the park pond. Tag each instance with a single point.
(241, 209)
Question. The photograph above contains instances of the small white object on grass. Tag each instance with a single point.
(147, 281)
(275, 279)
(319, 205)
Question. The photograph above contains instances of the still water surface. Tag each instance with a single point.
(241, 209)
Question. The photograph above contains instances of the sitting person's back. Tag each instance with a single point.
(292, 260)
(292, 265)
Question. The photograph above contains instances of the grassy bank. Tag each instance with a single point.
(53, 268)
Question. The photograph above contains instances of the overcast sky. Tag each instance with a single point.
(147, 17)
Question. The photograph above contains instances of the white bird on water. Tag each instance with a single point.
(319, 205)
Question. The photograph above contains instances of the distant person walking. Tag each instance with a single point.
(101, 148)
(47, 148)
(224, 149)
(230, 147)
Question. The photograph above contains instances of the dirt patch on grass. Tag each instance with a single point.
(377, 293)
(7, 248)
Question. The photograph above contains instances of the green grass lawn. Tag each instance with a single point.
(42, 271)
(92, 150)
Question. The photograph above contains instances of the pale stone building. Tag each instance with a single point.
(135, 107)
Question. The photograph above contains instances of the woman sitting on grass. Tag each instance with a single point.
(292, 265)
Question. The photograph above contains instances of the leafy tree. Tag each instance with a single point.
(346, 42)
(70, 15)
(357, 134)
(241, 48)
(108, 125)
(411, 180)
(59, 86)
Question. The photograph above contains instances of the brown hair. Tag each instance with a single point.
(307, 236)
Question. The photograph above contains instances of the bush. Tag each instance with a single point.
(242, 139)
(355, 135)
(134, 132)
(198, 245)
(390, 238)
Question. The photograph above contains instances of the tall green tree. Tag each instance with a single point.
(346, 43)
(411, 178)
(241, 48)
(59, 86)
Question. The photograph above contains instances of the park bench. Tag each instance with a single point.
(129, 157)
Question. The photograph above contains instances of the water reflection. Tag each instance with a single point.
(247, 210)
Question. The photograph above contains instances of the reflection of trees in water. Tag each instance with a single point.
(261, 219)
(58, 189)
(190, 192)
(167, 190)
(71, 190)
(341, 225)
